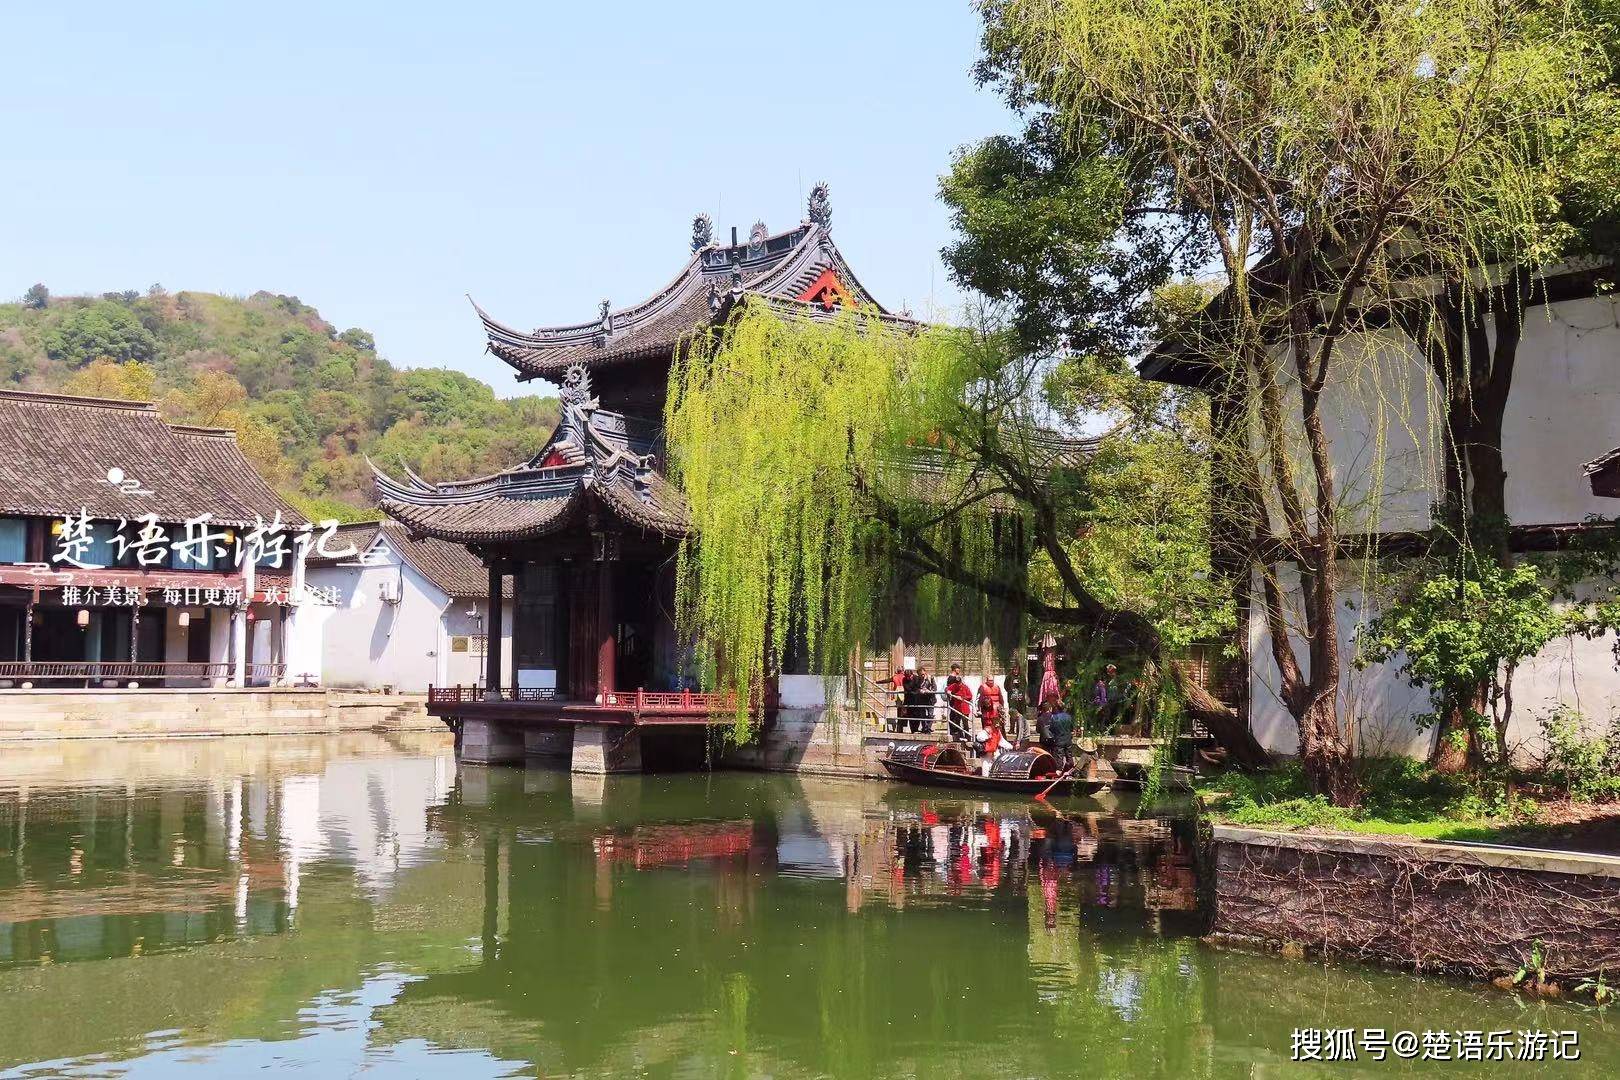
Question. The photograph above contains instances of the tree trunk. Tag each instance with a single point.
(1476, 380)
(1223, 721)
(1328, 763)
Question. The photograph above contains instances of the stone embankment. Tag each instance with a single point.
(1467, 909)
(29, 715)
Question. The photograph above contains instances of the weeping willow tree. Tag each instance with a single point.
(1326, 158)
(805, 446)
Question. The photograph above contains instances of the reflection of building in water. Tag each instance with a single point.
(647, 846)
(118, 870)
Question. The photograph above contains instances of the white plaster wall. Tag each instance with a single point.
(1378, 704)
(368, 643)
(805, 691)
(305, 642)
(1564, 410)
(468, 667)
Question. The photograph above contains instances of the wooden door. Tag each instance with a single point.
(582, 640)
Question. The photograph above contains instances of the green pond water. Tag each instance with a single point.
(358, 905)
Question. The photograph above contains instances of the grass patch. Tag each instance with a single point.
(1402, 798)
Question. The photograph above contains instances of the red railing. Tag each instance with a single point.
(637, 700)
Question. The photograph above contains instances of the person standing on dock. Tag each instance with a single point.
(920, 702)
(959, 701)
(1105, 695)
(895, 687)
(1060, 732)
(992, 703)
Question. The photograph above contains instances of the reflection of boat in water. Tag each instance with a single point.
(1014, 772)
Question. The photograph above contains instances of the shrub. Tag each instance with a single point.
(1585, 767)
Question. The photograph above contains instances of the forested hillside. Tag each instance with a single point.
(306, 400)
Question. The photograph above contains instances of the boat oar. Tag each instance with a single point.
(1064, 775)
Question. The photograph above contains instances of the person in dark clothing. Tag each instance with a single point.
(1060, 729)
(1043, 727)
(922, 702)
(906, 698)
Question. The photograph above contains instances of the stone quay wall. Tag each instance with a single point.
(32, 715)
(820, 741)
(1465, 909)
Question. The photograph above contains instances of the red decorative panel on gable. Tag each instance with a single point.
(826, 290)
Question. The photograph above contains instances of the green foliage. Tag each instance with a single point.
(103, 378)
(100, 329)
(1585, 767)
(1136, 513)
(1603, 994)
(325, 508)
(307, 402)
(1533, 970)
(37, 296)
(1319, 156)
(1450, 633)
(784, 432)
(1459, 630)
(1399, 796)
(1040, 229)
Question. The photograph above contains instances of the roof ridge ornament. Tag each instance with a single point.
(818, 211)
(756, 239)
(702, 232)
(576, 387)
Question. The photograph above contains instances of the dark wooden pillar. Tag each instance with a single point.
(606, 630)
(492, 644)
(28, 627)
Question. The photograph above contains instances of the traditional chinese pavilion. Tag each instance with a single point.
(127, 607)
(587, 528)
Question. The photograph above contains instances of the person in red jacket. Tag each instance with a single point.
(989, 743)
(959, 700)
(992, 705)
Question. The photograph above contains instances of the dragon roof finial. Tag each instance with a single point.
(819, 210)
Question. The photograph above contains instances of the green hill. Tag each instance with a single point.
(306, 400)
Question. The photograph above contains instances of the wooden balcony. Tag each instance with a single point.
(120, 673)
(628, 707)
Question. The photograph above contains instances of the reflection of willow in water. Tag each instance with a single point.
(618, 940)
(736, 925)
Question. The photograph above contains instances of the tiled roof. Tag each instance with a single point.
(357, 535)
(450, 567)
(481, 520)
(597, 459)
(1603, 473)
(781, 267)
(56, 452)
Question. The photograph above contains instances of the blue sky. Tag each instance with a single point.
(382, 160)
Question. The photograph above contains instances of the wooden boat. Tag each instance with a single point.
(1016, 772)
